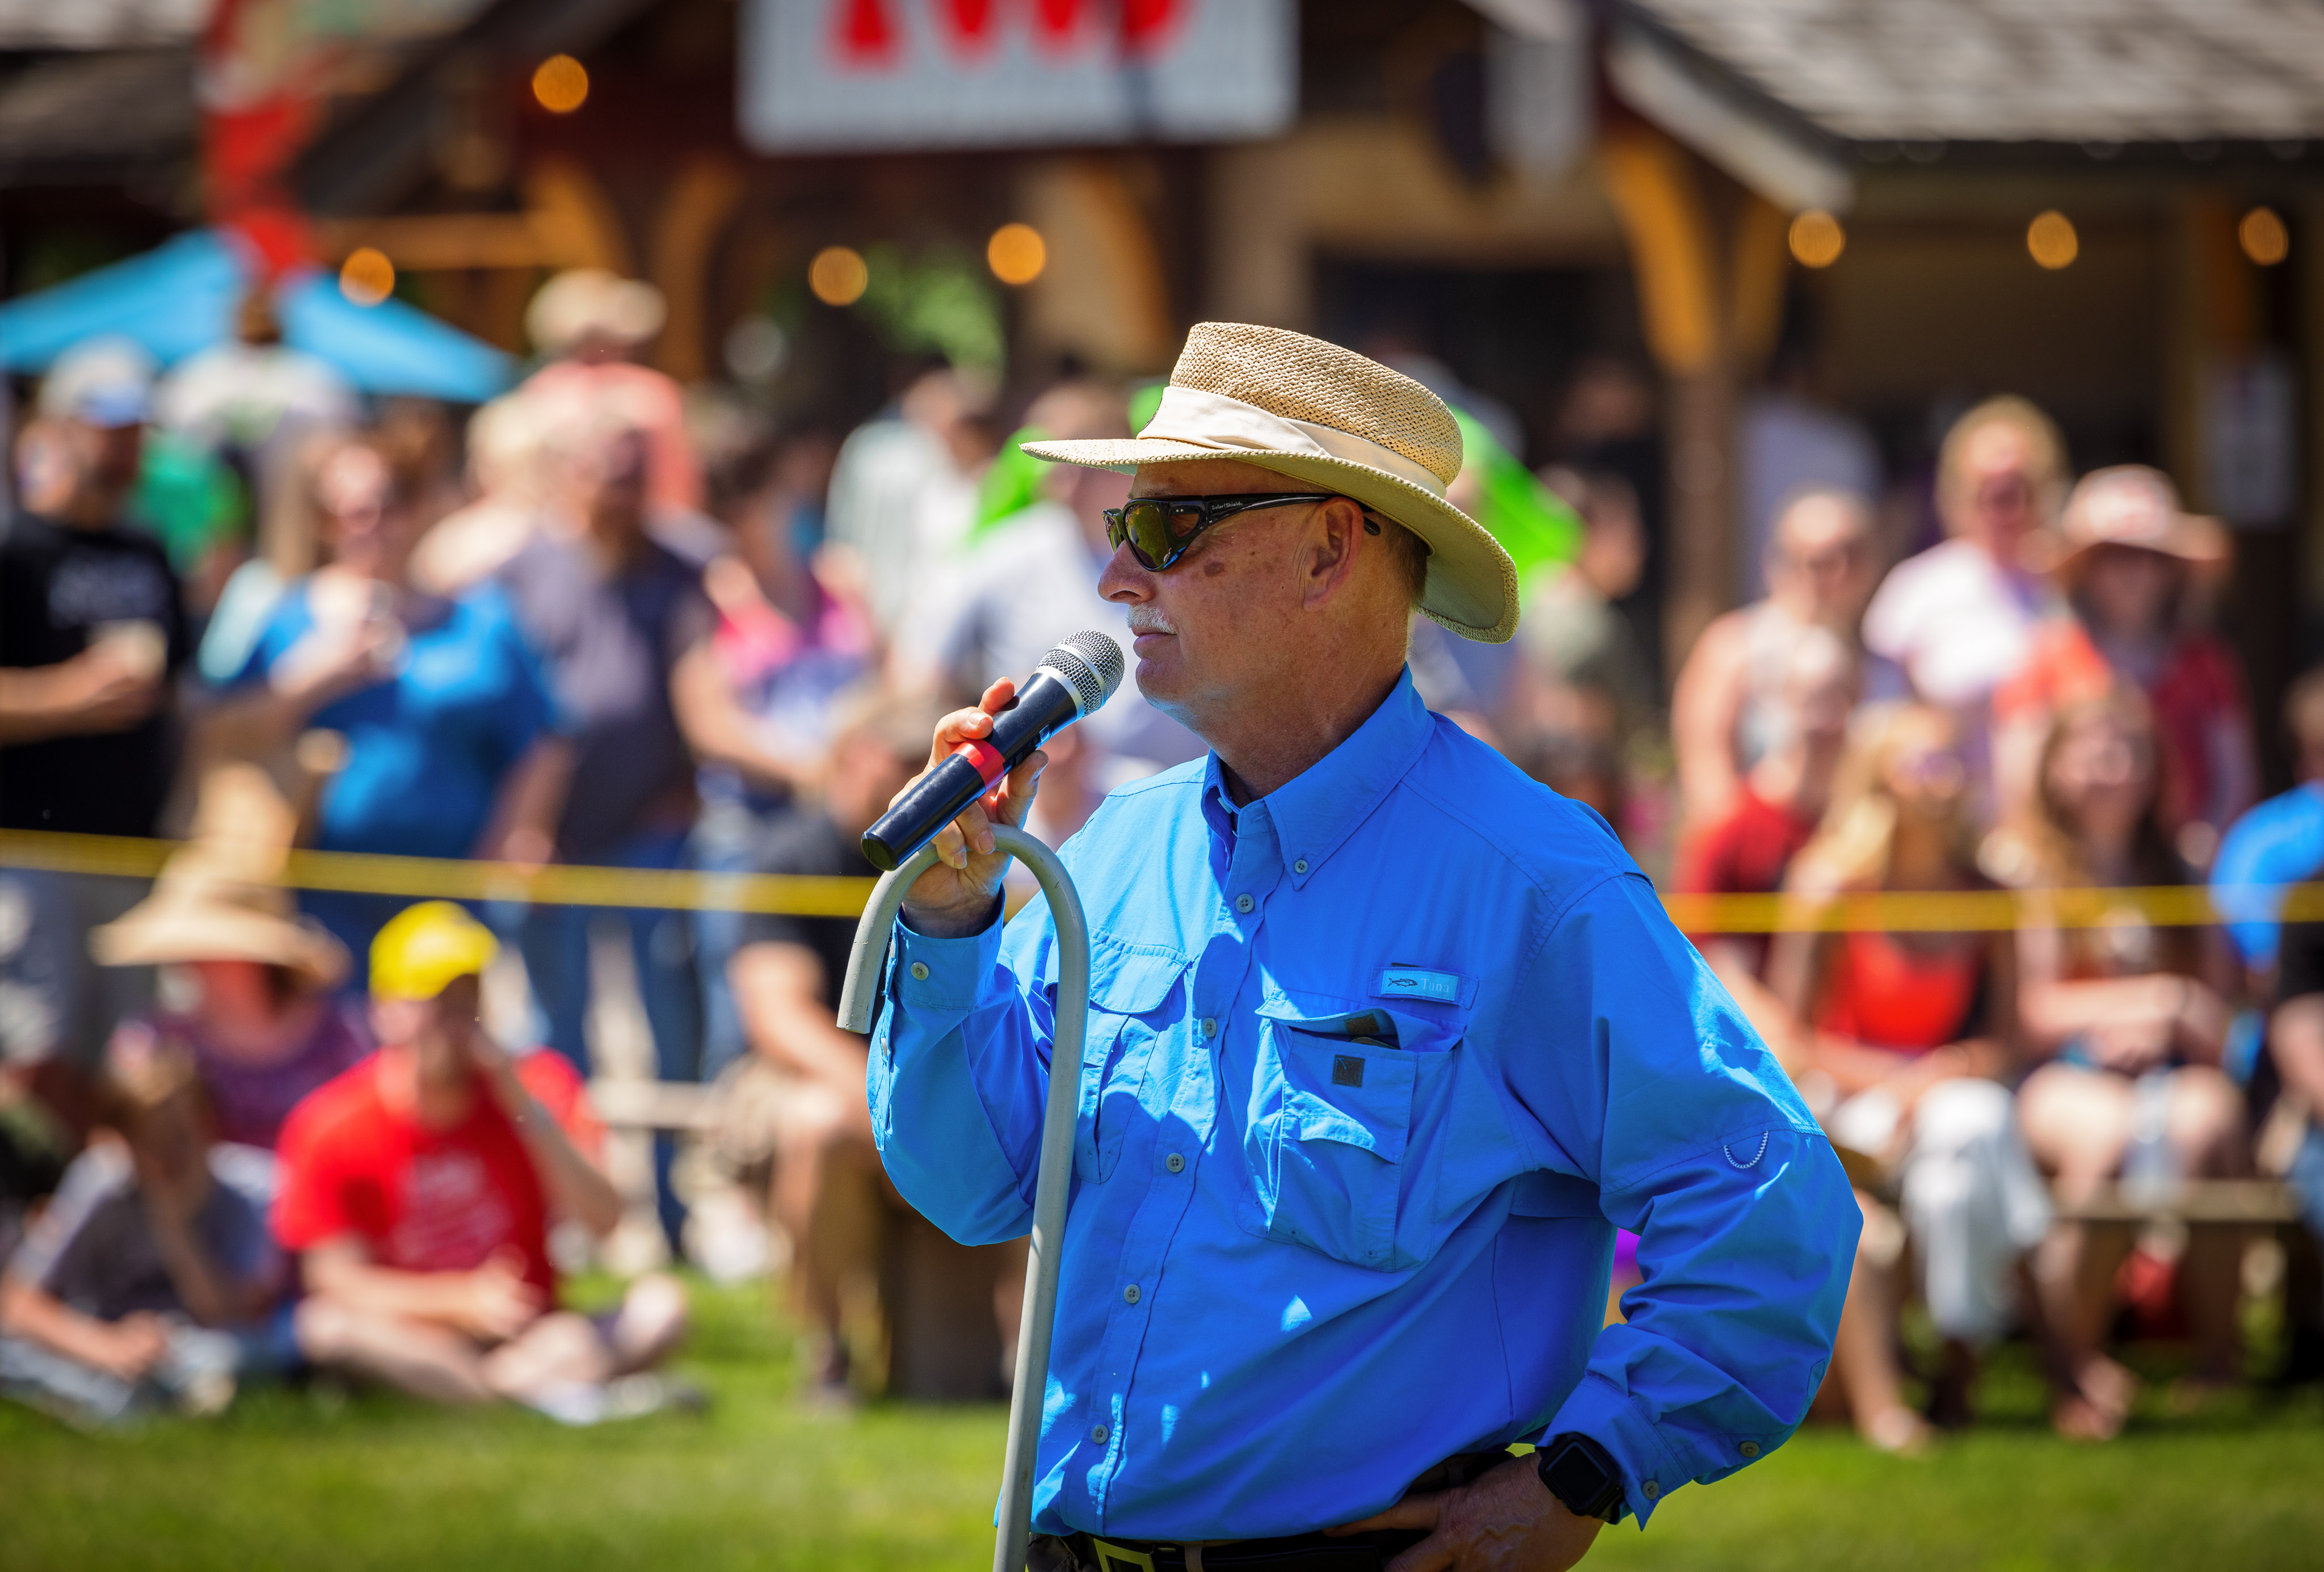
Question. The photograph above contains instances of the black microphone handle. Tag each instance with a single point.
(927, 806)
(1042, 707)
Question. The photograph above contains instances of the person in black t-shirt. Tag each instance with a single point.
(92, 628)
(786, 978)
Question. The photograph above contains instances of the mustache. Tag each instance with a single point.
(1147, 620)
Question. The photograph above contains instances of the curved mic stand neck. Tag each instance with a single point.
(858, 1002)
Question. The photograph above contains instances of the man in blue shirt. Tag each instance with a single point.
(2279, 842)
(1384, 1042)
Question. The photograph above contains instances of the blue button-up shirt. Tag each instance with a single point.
(1374, 1065)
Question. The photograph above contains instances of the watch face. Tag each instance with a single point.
(1580, 1480)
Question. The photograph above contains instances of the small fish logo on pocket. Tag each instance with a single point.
(1347, 1070)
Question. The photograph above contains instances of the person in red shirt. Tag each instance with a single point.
(2132, 565)
(418, 1190)
(1744, 850)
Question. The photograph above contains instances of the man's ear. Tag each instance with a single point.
(1327, 557)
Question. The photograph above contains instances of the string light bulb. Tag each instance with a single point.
(366, 277)
(2051, 241)
(838, 275)
(1817, 239)
(560, 84)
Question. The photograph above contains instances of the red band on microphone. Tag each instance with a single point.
(986, 757)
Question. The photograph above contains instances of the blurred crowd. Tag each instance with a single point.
(606, 620)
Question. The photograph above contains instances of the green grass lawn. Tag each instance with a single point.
(301, 1480)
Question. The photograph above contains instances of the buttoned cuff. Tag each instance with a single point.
(1603, 1412)
(929, 972)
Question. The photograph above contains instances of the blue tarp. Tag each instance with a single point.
(183, 296)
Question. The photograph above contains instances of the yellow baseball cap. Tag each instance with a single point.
(424, 947)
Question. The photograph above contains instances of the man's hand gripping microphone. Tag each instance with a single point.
(1072, 680)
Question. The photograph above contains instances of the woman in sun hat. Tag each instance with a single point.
(2135, 568)
(1380, 1030)
(254, 1009)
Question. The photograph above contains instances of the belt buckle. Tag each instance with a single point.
(1108, 1557)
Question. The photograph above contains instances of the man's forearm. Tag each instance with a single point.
(417, 1296)
(31, 707)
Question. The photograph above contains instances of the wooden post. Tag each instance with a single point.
(1690, 320)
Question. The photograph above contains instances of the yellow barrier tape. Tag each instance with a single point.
(438, 878)
(561, 885)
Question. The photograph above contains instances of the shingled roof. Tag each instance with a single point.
(2086, 71)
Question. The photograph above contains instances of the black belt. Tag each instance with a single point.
(1294, 1553)
(1365, 1552)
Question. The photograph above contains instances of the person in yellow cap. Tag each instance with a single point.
(418, 1187)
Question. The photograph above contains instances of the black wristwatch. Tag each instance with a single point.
(1579, 1473)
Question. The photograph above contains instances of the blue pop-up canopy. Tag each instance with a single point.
(183, 296)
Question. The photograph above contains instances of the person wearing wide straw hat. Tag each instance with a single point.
(592, 325)
(1385, 1039)
(2138, 571)
(257, 1018)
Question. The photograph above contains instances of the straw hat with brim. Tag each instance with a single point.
(2128, 505)
(200, 910)
(583, 302)
(1332, 421)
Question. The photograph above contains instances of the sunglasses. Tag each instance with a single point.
(1157, 530)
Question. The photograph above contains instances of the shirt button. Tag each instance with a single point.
(1750, 1448)
(1649, 1489)
(1100, 1434)
(1243, 903)
(1300, 866)
(1210, 1026)
(920, 971)
(1175, 1163)
(1129, 1294)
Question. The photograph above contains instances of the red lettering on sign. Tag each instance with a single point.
(1056, 24)
(1146, 25)
(866, 33)
(969, 23)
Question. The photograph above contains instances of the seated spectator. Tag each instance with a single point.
(1959, 618)
(445, 710)
(2132, 1021)
(149, 1279)
(2129, 563)
(258, 1019)
(1583, 668)
(92, 631)
(615, 614)
(2279, 842)
(1746, 850)
(787, 979)
(1820, 569)
(1910, 1031)
(418, 1190)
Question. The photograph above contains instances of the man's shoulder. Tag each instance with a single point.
(1494, 815)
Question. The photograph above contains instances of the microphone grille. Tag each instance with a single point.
(1091, 665)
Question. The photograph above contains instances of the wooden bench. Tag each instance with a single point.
(2197, 1203)
(678, 1106)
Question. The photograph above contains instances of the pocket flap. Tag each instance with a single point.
(1312, 1118)
(1131, 980)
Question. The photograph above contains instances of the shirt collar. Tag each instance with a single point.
(1315, 812)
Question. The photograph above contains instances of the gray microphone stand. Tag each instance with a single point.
(857, 1003)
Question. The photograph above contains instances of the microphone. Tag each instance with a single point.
(1071, 681)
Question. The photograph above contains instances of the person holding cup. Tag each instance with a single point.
(452, 749)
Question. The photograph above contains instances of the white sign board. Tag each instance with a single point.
(846, 75)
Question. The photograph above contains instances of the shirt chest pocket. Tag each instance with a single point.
(1335, 1103)
(1134, 998)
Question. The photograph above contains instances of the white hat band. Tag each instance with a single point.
(1228, 425)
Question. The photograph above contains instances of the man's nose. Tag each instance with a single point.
(1126, 579)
